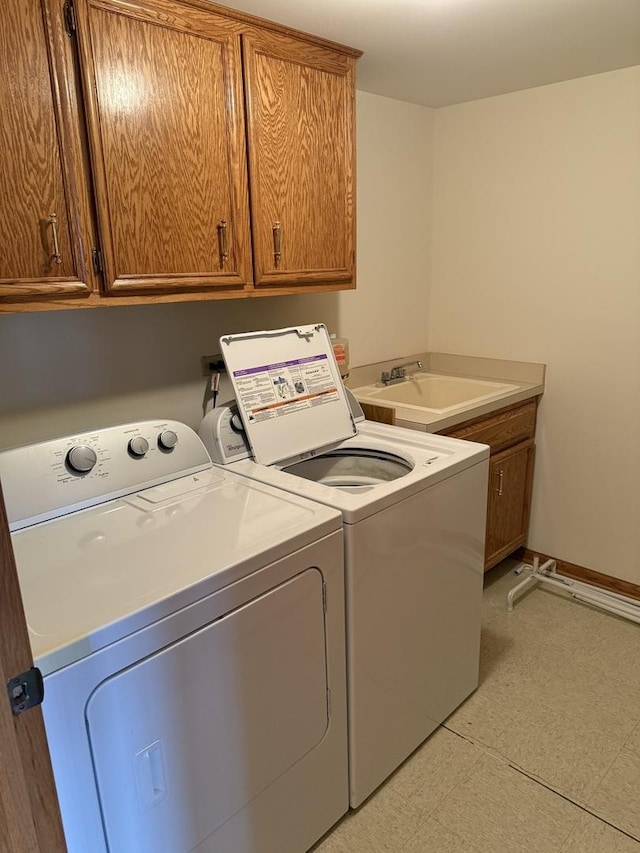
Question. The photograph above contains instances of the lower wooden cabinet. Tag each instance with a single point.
(510, 433)
(510, 479)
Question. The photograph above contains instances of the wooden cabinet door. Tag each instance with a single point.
(300, 112)
(44, 226)
(509, 500)
(164, 99)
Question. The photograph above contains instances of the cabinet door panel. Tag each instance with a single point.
(167, 136)
(39, 256)
(300, 131)
(510, 480)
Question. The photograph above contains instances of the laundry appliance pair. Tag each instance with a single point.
(189, 619)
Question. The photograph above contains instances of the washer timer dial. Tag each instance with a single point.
(167, 439)
(138, 446)
(81, 458)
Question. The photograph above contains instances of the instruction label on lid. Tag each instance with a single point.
(289, 372)
(273, 390)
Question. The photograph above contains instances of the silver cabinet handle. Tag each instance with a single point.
(222, 242)
(57, 257)
(500, 482)
(277, 247)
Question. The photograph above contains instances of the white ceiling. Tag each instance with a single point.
(438, 52)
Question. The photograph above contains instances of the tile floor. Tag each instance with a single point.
(543, 758)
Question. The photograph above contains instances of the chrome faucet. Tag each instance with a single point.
(399, 372)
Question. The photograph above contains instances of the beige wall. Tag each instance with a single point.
(73, 370)
(537, 257)
(395, 192)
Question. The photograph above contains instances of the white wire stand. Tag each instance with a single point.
(613, 602)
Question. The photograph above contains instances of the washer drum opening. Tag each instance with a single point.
(353, 469)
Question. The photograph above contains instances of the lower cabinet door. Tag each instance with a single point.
(509, 500)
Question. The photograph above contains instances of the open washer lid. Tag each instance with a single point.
(289, 392)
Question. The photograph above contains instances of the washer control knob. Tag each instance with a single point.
(167, 439)
(138, 446)
(81, 458)
(236, 423)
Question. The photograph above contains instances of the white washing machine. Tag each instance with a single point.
(413, 507)
(190, 628)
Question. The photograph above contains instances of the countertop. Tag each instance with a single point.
(528, 377)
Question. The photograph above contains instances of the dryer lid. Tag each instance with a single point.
(289, 391)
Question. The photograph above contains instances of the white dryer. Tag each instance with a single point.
(190, 628)
(413, 507)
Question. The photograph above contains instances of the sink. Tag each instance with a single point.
(432, 391)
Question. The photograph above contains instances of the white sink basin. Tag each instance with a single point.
(433, 392)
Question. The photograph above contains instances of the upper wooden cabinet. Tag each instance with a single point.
(301, 159)
(45, 233)
(163, 89)
(211, 155)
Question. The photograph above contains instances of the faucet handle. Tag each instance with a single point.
(385, 377)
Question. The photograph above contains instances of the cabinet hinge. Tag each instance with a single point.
(69, 18)
(98, 266)
(25, 690)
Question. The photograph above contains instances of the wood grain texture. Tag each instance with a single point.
(582, 573)
(97, 300)
(29, 814)
(510, 434)
(264, 24)
(300, 119)
(381, 414)
(501, 429)
(167, 135)
(157, 246)
(40, 174)
(508, 513)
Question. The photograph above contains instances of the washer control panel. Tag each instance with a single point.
(45, 480)
(223, 435)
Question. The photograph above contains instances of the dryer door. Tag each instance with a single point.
(189, 736)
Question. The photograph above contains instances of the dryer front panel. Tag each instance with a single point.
(187, 737)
